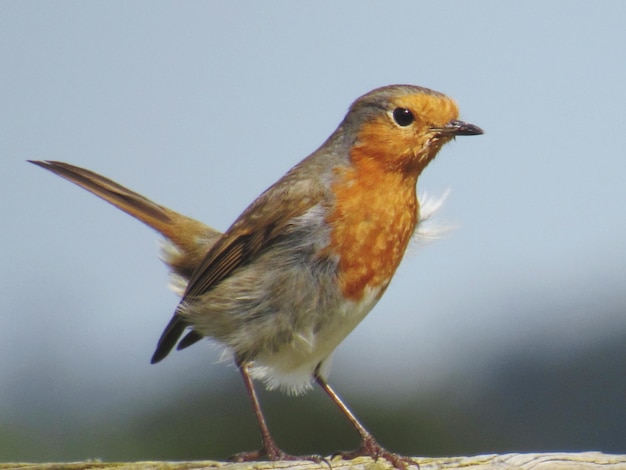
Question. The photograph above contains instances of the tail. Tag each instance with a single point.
(189, 239)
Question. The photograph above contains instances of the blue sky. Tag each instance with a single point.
(202, 105)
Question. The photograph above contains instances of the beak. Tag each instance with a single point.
(455, 127)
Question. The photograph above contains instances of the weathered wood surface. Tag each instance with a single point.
(548, 461)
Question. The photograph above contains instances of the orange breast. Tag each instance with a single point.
(372, 221)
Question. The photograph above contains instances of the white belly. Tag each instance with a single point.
(291, 368)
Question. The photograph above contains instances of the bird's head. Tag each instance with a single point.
(402, 127)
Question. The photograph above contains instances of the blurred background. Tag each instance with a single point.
(509, 334)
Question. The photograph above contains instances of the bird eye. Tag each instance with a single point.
(403, 117)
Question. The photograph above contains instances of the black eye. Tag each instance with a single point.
(403, 117)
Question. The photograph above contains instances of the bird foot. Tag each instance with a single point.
(271, 451)
(371, 448)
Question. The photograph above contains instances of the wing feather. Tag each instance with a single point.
(253, 231)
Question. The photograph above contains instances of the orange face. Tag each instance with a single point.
(382, 141)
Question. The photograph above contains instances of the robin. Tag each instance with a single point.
(309, 258)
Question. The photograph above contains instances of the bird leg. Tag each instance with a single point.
(369, 446)
(269, 450)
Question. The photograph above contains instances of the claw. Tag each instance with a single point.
(273, 452)
(371, 448)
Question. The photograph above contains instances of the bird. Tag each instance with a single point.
(308, 259)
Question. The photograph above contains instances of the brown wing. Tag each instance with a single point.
(262, 222)
(268, 217)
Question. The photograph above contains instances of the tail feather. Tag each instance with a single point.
(191, 239)
(123, 198)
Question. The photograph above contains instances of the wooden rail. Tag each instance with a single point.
(542, 461)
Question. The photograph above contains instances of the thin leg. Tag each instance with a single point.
(369, 446)
(269, 450)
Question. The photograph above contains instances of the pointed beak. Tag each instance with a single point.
(455, 127)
